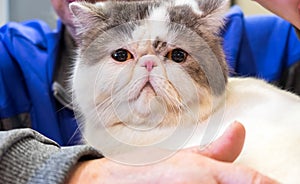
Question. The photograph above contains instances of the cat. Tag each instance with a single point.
(152, 74)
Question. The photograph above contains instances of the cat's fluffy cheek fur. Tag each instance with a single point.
(92, 84)
(82, 86)
(196, 98)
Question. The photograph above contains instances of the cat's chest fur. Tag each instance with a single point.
(272, 121)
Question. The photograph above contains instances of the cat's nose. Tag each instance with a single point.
(149, 65)
(148, 62)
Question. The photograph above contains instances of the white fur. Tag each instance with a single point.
(159, 14)
(272, 121)
(154, 27)
(271, 118)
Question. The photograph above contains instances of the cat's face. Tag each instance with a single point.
(144, 65)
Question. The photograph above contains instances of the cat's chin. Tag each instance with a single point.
(143, 100)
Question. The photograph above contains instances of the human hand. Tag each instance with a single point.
(287, 9)
(186, 166)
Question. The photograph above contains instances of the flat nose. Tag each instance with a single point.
(149, 62)
(149, 65)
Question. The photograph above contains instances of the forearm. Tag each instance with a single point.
(28, 157)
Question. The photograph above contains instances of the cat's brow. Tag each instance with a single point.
(159, 45)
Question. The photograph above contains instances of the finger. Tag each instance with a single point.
(240, 174)
(226, 148)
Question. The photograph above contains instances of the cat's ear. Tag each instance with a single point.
(213, 13)
(88, 20)
(85, 14)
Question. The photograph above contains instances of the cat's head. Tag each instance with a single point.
(144, 63)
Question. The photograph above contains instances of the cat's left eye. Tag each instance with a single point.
(177, 55)
(121, 55)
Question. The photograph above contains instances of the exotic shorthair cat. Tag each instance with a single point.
(153, 74)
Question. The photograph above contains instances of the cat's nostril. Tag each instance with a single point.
(149, 65)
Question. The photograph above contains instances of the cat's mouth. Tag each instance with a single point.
(147, 90)
(148, 86)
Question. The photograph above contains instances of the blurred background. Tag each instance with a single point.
(20, 10)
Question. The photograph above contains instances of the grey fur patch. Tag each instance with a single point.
(206, 62)
(122, 12)
(103, 26)
(115, 38)
(201, 40)
(211, 6)
(184, 15)
(159, 46)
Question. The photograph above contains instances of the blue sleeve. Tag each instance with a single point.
(260, 46)
(13, 93)
(27, 56)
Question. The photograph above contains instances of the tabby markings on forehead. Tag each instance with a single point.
(159, 46)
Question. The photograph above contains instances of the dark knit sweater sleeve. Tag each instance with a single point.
(28, 157)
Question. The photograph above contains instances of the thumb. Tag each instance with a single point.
(226, 148)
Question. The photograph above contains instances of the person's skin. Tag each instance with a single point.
(211, 165)
(287, 9)
(186, 166)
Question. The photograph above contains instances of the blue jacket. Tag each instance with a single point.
(260, 46)
(27, 57)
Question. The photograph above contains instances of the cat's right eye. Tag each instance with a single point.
(121, 55)
(177, 55)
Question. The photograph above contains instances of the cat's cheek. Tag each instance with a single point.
(110, 75)
(83, 85)
(182, 82)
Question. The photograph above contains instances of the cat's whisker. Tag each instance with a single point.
(76, 132)
(68, 106)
